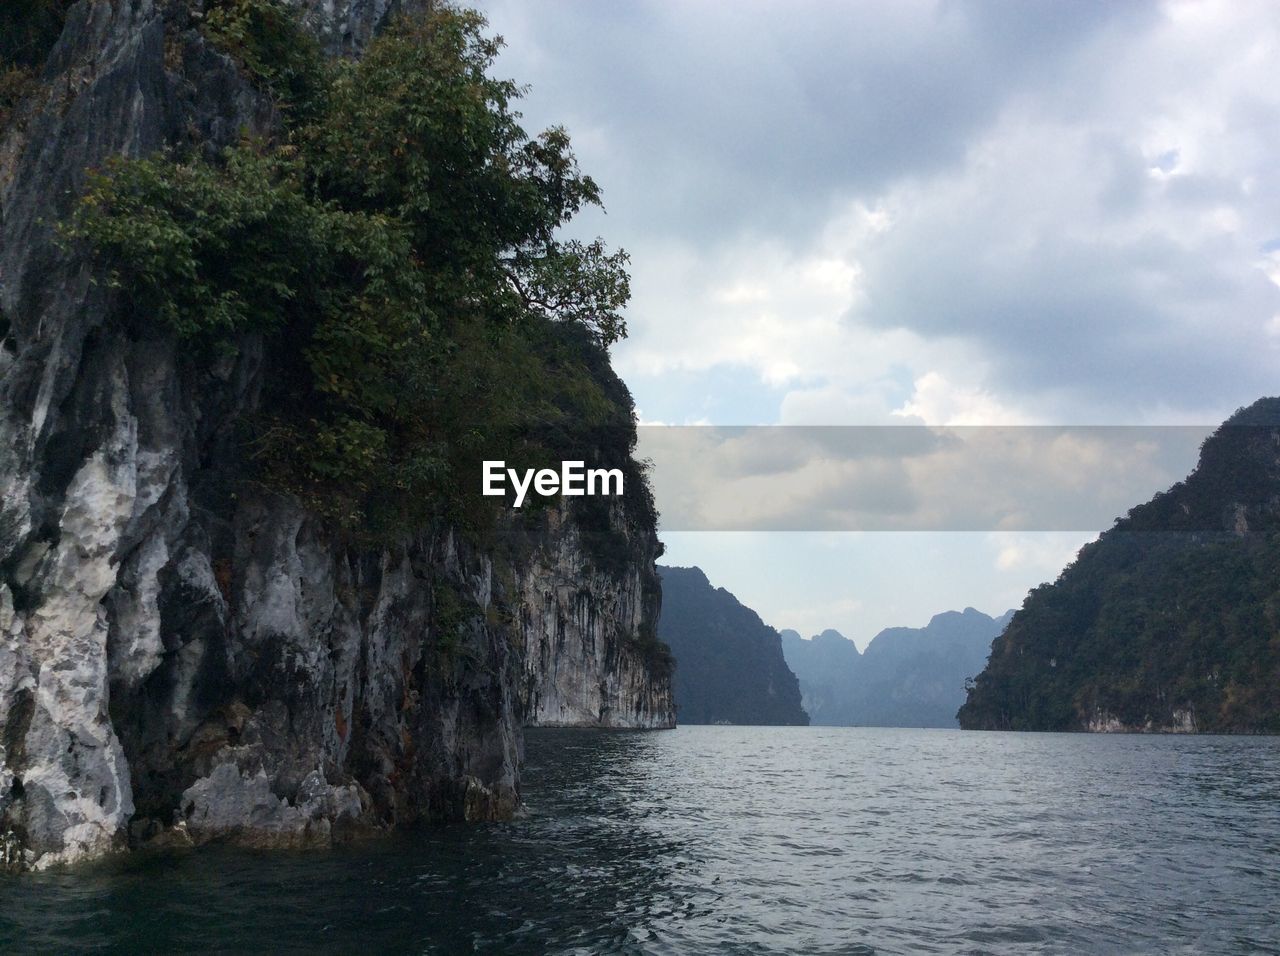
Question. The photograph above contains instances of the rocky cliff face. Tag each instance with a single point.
(345, 26)
(586, 663)
(182, 654)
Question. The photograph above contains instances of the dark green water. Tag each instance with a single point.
(733, 839)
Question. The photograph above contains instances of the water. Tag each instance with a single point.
(750, 840)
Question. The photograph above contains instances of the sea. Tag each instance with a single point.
(747, 840)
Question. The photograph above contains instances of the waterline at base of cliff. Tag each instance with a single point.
(747, 838)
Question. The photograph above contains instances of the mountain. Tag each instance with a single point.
(827, 668)
(729, 663)
(249, 586)
(1170, 621)
(907, 677)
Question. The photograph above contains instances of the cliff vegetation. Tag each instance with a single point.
(274, 279)
(28, 30)
(1170, 621)
(396, 245)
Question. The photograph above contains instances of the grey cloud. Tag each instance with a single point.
(755, 116)
(708, 122)
(1121, 321)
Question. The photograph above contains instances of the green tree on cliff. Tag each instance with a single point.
(397, 246)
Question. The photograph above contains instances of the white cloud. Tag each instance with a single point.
(937, 401)
(1044, 554)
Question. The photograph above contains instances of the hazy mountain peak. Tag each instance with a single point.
(907, 677)
(831, 634)
(693, 574)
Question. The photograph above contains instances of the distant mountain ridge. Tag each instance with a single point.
(907, 677)
(1170, 621)
(729, 663)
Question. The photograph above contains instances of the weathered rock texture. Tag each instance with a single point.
(584, 664)
(181, 654)
(345, 26)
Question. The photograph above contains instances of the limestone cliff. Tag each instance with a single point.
(190, 656)
(590, 655)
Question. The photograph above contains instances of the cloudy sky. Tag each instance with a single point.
(952, 213)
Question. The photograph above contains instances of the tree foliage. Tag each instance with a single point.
(1176, 609)
(268, 42)
(397, 249)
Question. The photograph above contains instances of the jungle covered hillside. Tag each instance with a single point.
(1170, 621)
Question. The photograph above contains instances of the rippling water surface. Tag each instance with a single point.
(750, 840)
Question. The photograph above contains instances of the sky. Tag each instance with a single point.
(939, 213)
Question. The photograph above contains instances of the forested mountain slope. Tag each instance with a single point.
(1170, 620)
